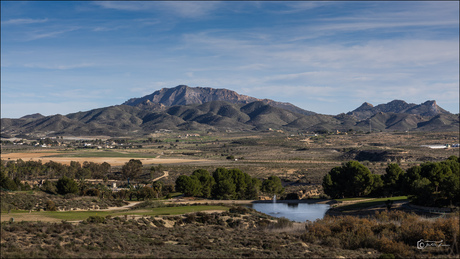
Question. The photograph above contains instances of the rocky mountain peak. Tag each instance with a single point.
(365, 106)
(33, 116)
(428, 108)
(186, 95)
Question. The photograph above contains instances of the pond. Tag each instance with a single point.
(299, 212)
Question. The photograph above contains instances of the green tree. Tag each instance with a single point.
(225, 189)
(131, 169)
(83, 173)
(450, 189)
(412, 174)
(350, 180)
(6, 182)
(434, 183)
(49, 187)
(73, 169)
(252, 191)
(66, 185)
(206, 180)
(146, 193)
(393, 179)
(423, 190)
(157, 187)
(377, 185)
(332, 188)
(272, 185)
(189, 186)
(435, 172)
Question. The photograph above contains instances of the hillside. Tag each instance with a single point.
(203, 109)
(185, 95)
(428, 108)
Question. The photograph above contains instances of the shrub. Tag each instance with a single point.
(283, 223)
(148, 204)
(190, 218)
(49, 187)
(66, 185)
(96, 219)
(50, 205)
(91, 192)
(239, 210)
(393, 233)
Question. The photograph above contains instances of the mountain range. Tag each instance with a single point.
(184, 108)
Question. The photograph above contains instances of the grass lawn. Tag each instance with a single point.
(371, 202)
(19, 215)
(354, 199)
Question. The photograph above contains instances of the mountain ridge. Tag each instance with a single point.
(428, 108)
(184, 108)
(185, 95)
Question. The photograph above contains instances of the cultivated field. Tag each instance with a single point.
(297, 158)
(83, 226)
(98, 158)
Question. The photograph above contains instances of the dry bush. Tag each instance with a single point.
(389, 232)
(50, 205)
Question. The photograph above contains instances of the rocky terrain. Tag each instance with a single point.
(186, 108)
(185, 95)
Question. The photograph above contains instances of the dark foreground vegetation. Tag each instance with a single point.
(240, 232)
(428, 184)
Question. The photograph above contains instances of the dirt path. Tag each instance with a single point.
(126, 207)
(165, 174)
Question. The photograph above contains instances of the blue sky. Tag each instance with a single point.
(326, 57)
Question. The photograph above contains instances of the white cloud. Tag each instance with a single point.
(40, 35)
(190, 9)
(24, 21)
(59, 67)
(255, 66)
(372, 54)
(296, 6)
(126, 6)
(184, 9)
(107, 28)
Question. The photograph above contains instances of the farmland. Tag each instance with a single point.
(299, 160)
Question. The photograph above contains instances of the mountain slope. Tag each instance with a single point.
(185, 95)
(428, 108)
(202, 109)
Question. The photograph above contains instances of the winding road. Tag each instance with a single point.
(165, 174)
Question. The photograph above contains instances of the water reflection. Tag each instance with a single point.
(292, 205)
(299, 212)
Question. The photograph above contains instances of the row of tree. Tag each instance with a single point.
(66, 185)
(226, 184)
(25, 170)
(430, 184)
(20, 170)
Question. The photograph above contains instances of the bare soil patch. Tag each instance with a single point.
(113, 161)
(131, 204)
(28, 217)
